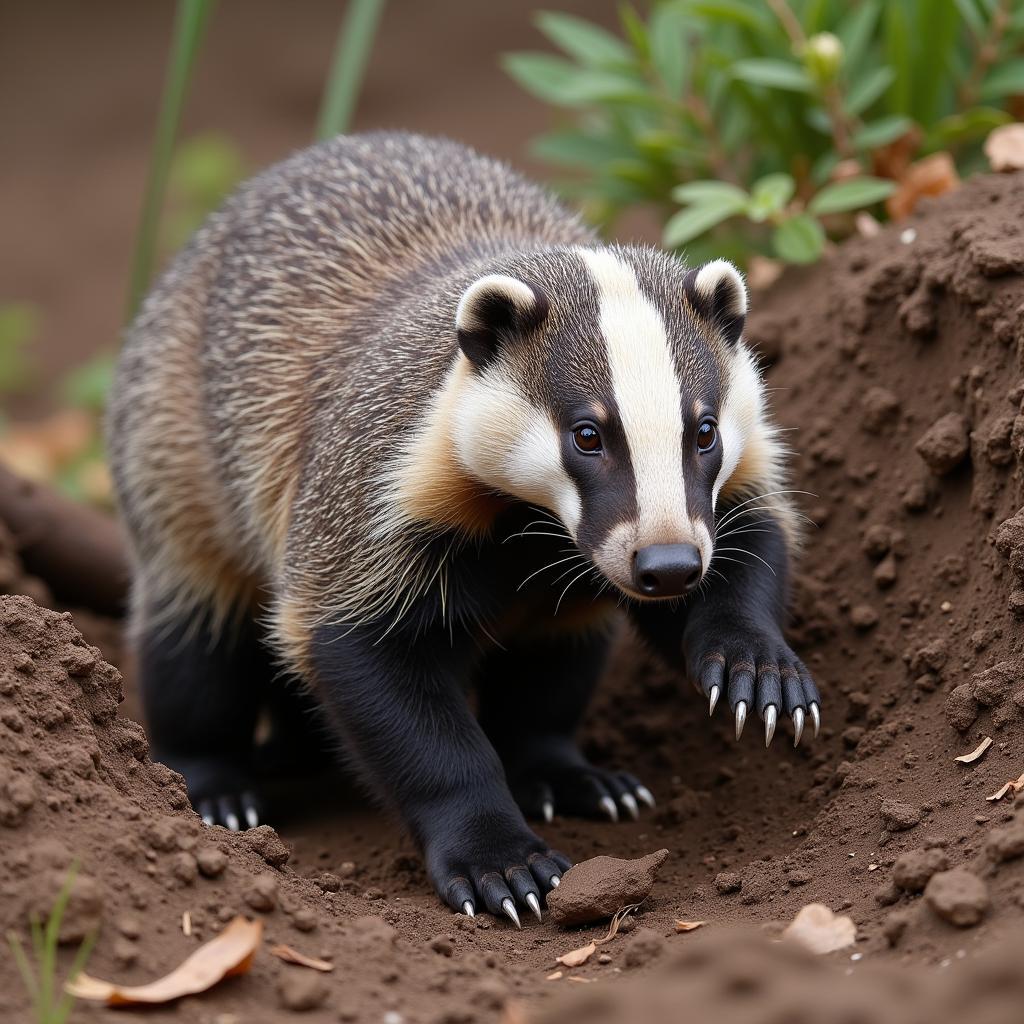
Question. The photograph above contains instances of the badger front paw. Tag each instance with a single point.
(222, 791)
(754, 670)
(488, 860)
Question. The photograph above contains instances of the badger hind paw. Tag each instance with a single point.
(235, 811)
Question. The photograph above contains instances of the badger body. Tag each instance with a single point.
(396, 423)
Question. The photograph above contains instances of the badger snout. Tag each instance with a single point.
(667, 570)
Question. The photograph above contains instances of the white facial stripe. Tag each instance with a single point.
(490, 411)
(648, 395)
(741, 413)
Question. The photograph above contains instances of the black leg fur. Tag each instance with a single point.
(730, 636)
(532, 701)
(201, 694)
(401, 710)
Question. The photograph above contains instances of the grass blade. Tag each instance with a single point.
(355, 42)
(189, 25)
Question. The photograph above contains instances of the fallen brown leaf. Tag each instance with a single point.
(577, 957)
(893, 159)
(293, 956)
(1004, 147)
(581, 981)
(1014, 785)
(554, 976)
(976, 752)
(689, 926)
(819, 930)
(932, 176)
(228, 954)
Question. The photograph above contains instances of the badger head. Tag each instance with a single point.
(611, 386)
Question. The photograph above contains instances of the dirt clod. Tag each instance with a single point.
(958, 896)
(300, 990)
(1006, 843)
(267, 843)
(261, 893)
(899, 816)
(211, 861)
(945, 444)
(912, 870)
(597, 888)
(644, 945)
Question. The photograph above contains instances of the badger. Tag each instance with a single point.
(395, 438)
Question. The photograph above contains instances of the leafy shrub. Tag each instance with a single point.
(757, 121)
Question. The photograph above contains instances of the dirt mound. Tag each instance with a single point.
(898, 362)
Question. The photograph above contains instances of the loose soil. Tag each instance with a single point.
(899, 365)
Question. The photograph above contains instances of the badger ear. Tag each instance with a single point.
(493, 311)
(717, 292)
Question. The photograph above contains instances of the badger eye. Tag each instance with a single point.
(707, 435)
(586, 438)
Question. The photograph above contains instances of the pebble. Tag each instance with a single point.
(301, 990)
(727, 882)
(329, 882)
(863, 617)
(898, 816)
(211, 861)
(960, 707)
(912, 870)
(958, 896)
(643, 946)
(261, 893)
(304, 919)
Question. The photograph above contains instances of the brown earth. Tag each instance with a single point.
(900, 361)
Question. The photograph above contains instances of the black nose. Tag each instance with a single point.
(666, 570)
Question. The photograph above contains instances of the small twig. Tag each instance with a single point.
(985, 55)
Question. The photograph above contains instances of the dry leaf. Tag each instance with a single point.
(186, 923)
(819, 930)
(893, 159)
(1014, 785)
(581, 981)
(293, 956)
(228, 954)
(553, 976)
(1005, 147)
(933, 176)
(689, 926)
(577, 957)
(976, 752)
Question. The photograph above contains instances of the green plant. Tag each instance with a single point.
(50, 1004)
(189, 26)
(750, 125)
(355, 42)
(18, 325)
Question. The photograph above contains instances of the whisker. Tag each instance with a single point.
(753, 554)
(550, 565)
(568, 585)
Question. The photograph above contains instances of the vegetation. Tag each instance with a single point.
(50, 1004)
(750, 124)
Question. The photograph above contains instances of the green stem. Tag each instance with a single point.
(190, 23)
(351, 54)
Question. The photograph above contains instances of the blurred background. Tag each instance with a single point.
(763, 130)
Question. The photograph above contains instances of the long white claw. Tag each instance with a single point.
(798, 726)
(555, 881)
(548, 810)
(771, 717)
(252, 819)
(232, 822)
(510, 909)
(816, 718)
(644, 794)
(607, 804)
(741, 717)
(534, 904)
(208, 819)
(629, 802)
(716, 692)
(467, 909)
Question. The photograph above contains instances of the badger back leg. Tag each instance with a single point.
(202, 690)
(533, 697)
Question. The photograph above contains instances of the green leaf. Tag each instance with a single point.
(852, 194)
(881, 132)
(1006, 79)
(972, 17)
(770, 195)
(576, 149)
(694, 221)
(748, 15)
(19, 323)
(565, 84)
(668, 47)
(635, 29)
(970, 126)
(855, 31)
(699, 192)
(586, 42)
(868, 88)
(800, 239)
(87, 386)
(775, 74)
(898, 55)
